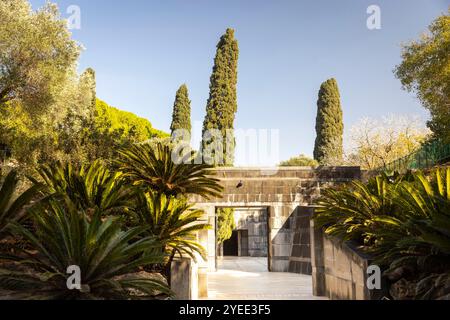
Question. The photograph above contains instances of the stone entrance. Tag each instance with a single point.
(250, 236)
(287, 194)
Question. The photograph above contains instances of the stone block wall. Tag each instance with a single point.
(290, 241)
(300, 257)
(287, 185)
(281, 235)
(255, 222)
(345, 271)
(339, 271)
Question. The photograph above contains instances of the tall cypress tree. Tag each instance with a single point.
(328, 149)
(181, 116)
(222, 102)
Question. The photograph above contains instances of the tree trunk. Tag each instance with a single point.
(167, 268)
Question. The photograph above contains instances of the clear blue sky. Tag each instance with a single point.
(142, 50)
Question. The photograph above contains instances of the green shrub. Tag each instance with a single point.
(13, 205)
(109, 258)
(403, 222)
(150, 166)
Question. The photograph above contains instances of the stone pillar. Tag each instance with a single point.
(184, 282)
(203, 266)
(281, 235)
(207, 238)
(317, 261)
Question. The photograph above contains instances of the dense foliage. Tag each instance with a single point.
(13, 205)
(119, 229)
(151, 167)
(48, 112)
(222, 102)
(225, 224)
(375, 143)
(37, 56)
(328, 147)
(76, 138)
(91, 186)
(425, 71)
(108, 257)
(403, 221)
(300, 161)
(130, 126)
(115, 129)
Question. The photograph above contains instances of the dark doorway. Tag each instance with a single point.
(230, 246)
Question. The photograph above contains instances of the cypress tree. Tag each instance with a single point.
(328, 148)
(221, 106)
(181, 116)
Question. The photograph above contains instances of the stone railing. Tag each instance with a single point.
(339, 271)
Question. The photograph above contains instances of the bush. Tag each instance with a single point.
(62, 236)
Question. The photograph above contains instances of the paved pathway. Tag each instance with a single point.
(244, 278)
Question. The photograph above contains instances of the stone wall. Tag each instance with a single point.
(282, 192)
(287, 185)
(339, 271)
(184, 279)
(253, 220)
(300, 258)
(289, 249)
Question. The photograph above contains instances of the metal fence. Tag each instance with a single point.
(429, 155)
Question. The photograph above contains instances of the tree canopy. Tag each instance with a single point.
(425, 70)
(37, 55)
(374, 143)
(76, 138)
(300, 161)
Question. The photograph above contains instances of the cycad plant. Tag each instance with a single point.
(404, 223)
(174, 223)
(90, 186)
(63, 236)
(353, 211)
(12, 205)
(152, 167)
(424, 254)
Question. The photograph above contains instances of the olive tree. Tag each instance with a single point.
(37, 54)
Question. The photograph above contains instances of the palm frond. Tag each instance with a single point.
(152, 167)
(64, 236)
